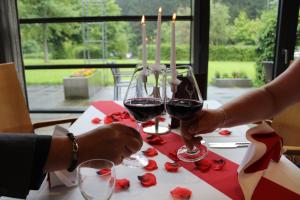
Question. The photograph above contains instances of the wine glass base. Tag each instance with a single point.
(161, 130)
(186, 155)
(136, 161)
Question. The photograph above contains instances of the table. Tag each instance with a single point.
(284, 173)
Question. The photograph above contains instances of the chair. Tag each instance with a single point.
(14, 114)
(287, 124)
(121, 79)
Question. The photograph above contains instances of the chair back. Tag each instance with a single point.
(287, 124)
(14, 115)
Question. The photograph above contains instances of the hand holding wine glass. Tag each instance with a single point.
(144, 99)
(183, 101)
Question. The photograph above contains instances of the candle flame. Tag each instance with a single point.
(159, 10)
(143, 20)
(174, 17)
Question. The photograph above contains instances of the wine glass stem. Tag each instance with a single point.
(193, 150)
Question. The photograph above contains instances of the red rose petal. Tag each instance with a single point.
(180, 193)
(96, 120)
(161, 119)
(172, 167)
(150, 152)
(218, 164)
(104, 171)
(108, 120)
(147, 179)
(156, 140)
(224, 132)
(148, 123)
(203, 165)
(151, 165)
(122, 184)
(173, 156)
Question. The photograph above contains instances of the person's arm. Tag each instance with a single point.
(260, 104)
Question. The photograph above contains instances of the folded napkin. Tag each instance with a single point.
(265, 146)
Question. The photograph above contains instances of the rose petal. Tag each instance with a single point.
(203, 165)
(180, 193)
(108, 120)
(173, 156)
(96, 120)
(148, 123)
(161, 119)
(151, 165)
(104, 171)
(172, 167)
(122, 184)
(218, 164)
(150, 152)
(147, 179)
(224, 132)
(156, 140)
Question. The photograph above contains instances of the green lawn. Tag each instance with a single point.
(56, 76)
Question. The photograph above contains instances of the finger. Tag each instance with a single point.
(127, 151)
(133, 144)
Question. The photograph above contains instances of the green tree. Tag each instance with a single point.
(219, 23)
(245, 29)
(266, 42)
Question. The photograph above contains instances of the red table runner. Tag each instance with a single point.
(225, 180)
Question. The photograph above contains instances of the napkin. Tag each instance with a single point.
(265, 147)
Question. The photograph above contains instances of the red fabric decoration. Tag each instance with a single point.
(151, 165)
(104, 171)
(225, 132)
(148, 123)
(122, 184)
(273, 143)
(147, 179)
(150, 152)
(155, 140)
(218, 164)
(173, 156)
(203, 165)
(96, 120)
(172, 167)
(180, 193)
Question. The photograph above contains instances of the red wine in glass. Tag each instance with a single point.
(144, 109)
(183, 109)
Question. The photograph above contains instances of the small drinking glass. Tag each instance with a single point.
(96, 179)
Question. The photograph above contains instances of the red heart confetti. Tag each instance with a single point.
(181, 193)
(161, 119)
(203, 165)
(104, 171)
(147, 179)
(172, 167)
(122, 184)
(155, 140)
(117, 116)
(151, 165)
(218, 164)
(148, 123)
(108, 120)
(224, 132)
(96, 120)
(150, 152)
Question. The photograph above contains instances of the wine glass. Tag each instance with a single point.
(144, 99)
(183, 100)
(96, 179)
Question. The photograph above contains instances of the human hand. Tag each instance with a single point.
(113, 142)
(202, 122)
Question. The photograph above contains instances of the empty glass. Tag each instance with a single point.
(96, 179)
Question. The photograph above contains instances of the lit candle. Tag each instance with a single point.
(144, 42)
(173, 50)
(157, 57)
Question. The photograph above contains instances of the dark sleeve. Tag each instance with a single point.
(22, 160)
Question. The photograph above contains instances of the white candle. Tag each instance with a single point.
(173, 49)
(157, 57)
(144, 51)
